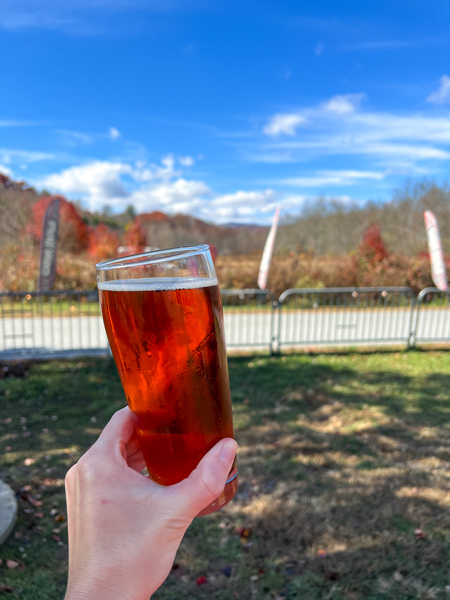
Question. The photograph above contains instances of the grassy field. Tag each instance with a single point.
(344, 466)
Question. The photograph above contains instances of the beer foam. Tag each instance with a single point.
(157, 284)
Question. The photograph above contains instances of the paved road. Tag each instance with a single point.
(242, 329)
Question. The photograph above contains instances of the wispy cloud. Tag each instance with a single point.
(442, 94)
(16, 123)
(72, 16)
(5, 170)
(340, 127)
(379, 45)
(9, 154)
(331, 178)
(318, 50)
(343, 105)
(74, 138)
(283, 124)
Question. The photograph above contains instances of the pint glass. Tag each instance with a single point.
(163, 316)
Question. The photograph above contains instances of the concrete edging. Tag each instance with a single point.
(8, 511)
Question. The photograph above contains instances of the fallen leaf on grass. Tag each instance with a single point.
(56, 538)
(244, 532)
(60, 518)
(34, 502)
(17, 535)
(420, 535)
(12, 564)
(39, 515)
(201, 580)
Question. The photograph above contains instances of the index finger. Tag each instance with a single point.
(117, 432)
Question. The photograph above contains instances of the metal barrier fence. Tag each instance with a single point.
(69, 323)
(345, 316)
(432, 322)
(40, 325)
(249, 318)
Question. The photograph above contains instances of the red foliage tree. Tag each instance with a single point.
(103, 242)
(372, 248)
(73, 232)
(134, 238)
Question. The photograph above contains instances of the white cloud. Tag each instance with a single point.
(151, 187)
(113, 133)
(5, 170)
(343, 105)
(442, 95)
(286, 124)
(186, 161)
(97, 183)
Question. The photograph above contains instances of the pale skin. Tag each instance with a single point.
(125, 529)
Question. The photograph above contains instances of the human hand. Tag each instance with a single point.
(125, 529)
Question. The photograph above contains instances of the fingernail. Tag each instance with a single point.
(228, 451)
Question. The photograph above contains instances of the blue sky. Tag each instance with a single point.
(224, 109)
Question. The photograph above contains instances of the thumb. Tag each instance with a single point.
(207, 481)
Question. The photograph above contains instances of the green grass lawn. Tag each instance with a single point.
(342, 460)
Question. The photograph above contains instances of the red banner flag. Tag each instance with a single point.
(268, 252)
(438, 271)
(49, 242)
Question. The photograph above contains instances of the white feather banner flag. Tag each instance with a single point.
(268, 252)
(438, 271)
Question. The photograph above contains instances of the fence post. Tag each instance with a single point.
(274, 336)
(413, 323)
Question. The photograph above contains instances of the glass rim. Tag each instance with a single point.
(145, 258)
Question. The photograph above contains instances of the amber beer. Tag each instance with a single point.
(167, 339)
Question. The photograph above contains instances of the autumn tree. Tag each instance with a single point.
(16, 202)
(372, 249)
(103, 242)
(134, 237)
